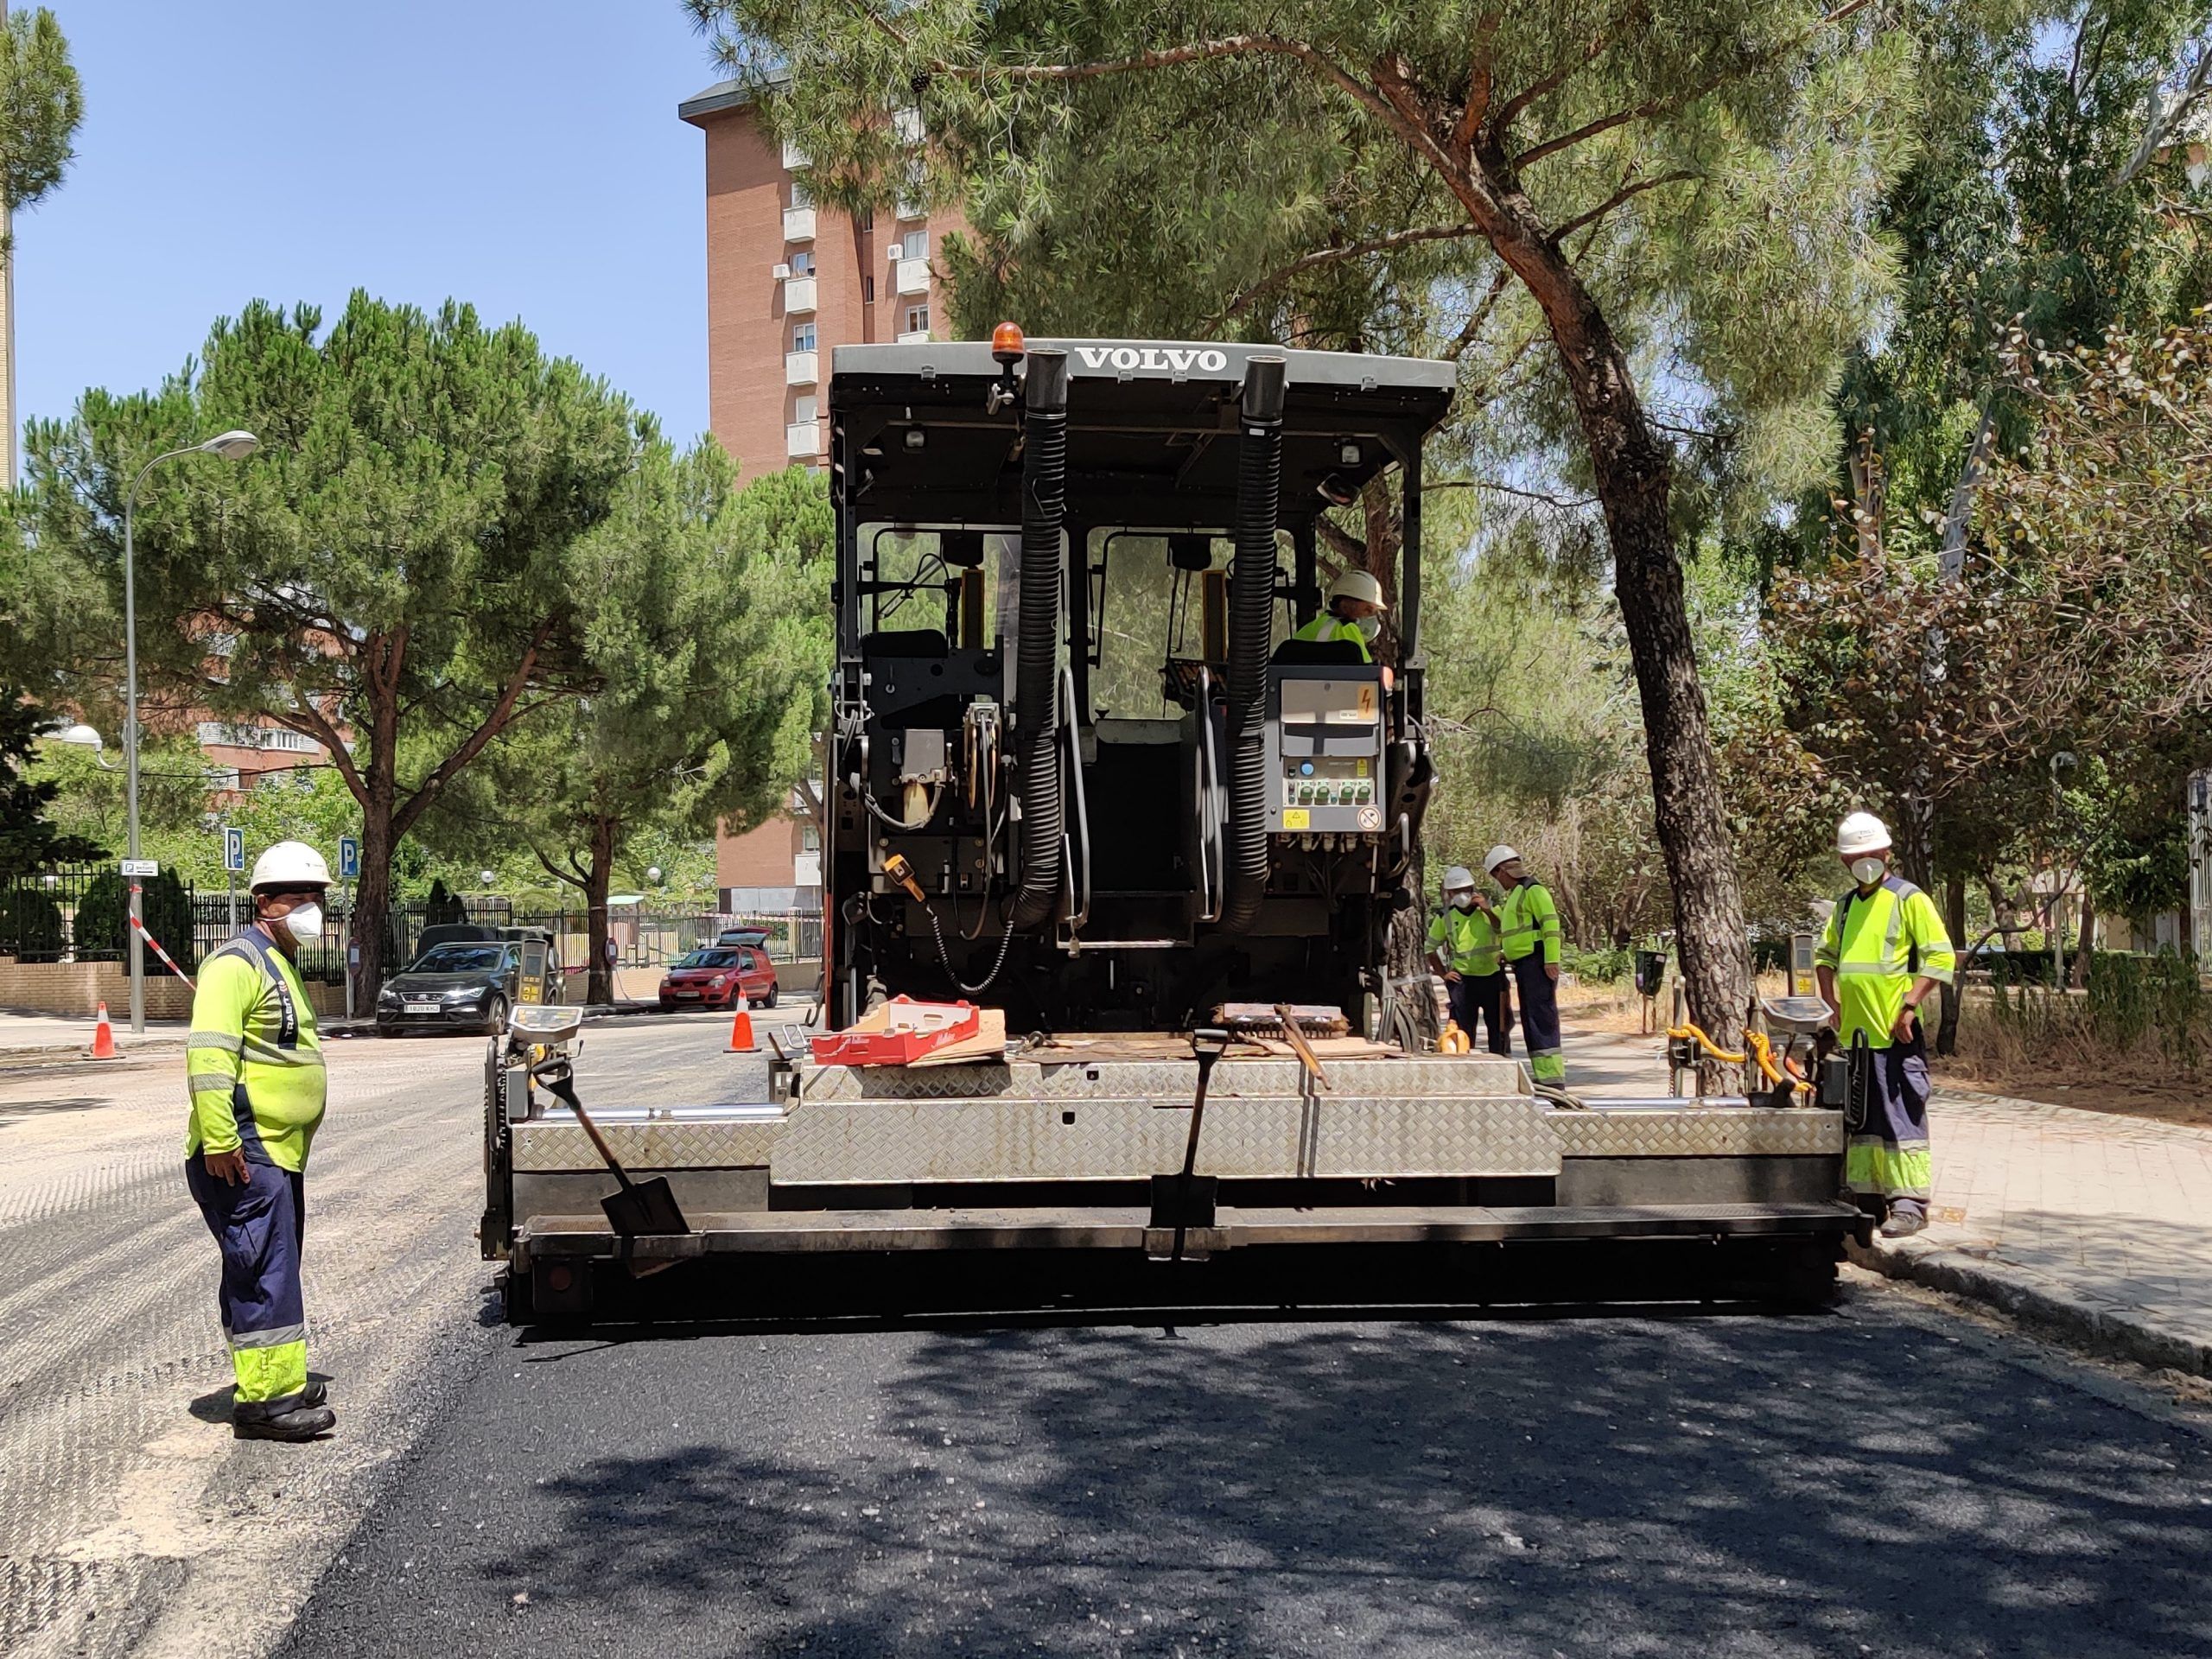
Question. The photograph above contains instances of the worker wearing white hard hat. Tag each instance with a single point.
(254, 1066)
(1353, 613)
(1883, 954)
(1528, 934)
(1462, 946)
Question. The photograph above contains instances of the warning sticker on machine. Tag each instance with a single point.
(1297, 817)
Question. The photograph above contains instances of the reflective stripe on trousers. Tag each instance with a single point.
(1540, 1019)
(259, 1226)
(1889, 1159)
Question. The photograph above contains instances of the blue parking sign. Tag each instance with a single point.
(233, 848)
(349, 859)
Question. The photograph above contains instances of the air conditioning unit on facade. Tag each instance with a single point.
(782, 271)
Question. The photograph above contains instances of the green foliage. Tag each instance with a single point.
(394, 563)
(442, 908)
(1608, 965)
(27, 837)
(41, 106)
(704, 618)
(102, 924)
(2135, 996)
(30, 925)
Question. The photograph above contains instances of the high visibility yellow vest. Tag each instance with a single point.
(1326, 627)
(1878, 943)
(253, 1061)
(1529, 920)
(1469, 938)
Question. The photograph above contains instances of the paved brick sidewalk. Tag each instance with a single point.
(2093, 1221)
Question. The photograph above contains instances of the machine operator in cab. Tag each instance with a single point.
(255, 1070)
(1885, 952)
(1354, 612)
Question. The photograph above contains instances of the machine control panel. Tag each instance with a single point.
(1325, 734)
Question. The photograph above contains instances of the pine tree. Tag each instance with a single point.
(1677, 190)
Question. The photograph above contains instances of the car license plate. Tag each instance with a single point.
(693, 995)
(422, 1004)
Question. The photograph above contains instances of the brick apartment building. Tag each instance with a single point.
(788, 281)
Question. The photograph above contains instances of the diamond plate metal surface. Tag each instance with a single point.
(1079, 1079)
(1099, 1139)
(560, 1143)
(1733, 1133)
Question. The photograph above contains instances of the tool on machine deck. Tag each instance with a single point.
(1275, 1019)
(1304, 1050)
(1186, 1200)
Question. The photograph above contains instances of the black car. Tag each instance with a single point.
(465, 984)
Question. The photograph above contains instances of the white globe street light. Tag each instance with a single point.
(230, 446)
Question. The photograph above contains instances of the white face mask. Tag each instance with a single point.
(1463, 902)
(1369, 628)
(304, 923)
(1867, 871)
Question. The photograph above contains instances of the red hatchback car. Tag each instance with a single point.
(710, 979)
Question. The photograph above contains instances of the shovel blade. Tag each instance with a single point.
(645, 1207)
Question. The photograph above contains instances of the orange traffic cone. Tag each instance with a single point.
(102, 1037)
(741, 1029)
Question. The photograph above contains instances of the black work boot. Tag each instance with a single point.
(281, 1420)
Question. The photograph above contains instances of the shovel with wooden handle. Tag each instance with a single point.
(641, 1207)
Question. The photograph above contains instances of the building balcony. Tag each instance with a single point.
(798, 295)
(912, 207)
(803, 440)
(914, 275)
(800, 368)
(794, 156)
(915, 337)
(799, 223)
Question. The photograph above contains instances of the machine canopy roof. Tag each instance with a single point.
(1153, 434)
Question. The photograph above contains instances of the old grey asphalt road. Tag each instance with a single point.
(128, 1516)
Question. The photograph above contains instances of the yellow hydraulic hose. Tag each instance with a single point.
(1713, 1049)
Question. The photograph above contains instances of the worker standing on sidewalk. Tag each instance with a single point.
(1528, 927)
(257, 1089)
(1885, 952)
(1463, 943)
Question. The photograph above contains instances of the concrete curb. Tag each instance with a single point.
(2035, 1300)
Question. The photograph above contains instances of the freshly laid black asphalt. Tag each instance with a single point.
(1880, 1478)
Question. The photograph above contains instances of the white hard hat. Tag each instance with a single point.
(1862, 832)
(1356, 584)
(289, 864)
(1457, 877)
(1500, 855)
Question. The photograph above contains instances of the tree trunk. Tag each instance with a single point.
(373, 892)
(2079, 978)
(1633, 471)
(1955, 924)
(599, 877)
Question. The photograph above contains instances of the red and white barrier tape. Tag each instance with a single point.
(166, 961)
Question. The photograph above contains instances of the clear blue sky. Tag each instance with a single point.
(522, 155)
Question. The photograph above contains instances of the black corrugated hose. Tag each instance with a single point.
(1043, 506)
(1251, 626)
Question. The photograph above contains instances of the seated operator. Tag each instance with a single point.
(1354, 613)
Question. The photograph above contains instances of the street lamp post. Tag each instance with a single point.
(230, 446)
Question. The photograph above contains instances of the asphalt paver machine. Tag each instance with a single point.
(1082, 775)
